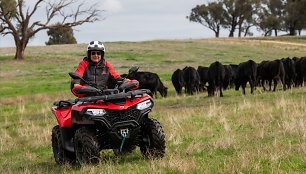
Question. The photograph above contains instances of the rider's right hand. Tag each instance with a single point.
(74, 90)
(77, 86)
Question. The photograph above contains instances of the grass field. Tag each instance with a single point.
(260, 133)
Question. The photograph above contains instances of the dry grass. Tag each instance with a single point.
(210, 137)
(260, 133)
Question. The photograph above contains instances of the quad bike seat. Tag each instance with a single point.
(64, 103)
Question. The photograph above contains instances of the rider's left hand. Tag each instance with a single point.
(126, 80)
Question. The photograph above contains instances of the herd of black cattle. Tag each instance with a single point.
(291, 72)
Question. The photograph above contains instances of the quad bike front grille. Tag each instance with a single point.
(114, 116)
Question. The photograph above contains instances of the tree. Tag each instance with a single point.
(210, 16)
(248, 11)
(16, 19)
(61, 35)
(295, 16)
(271, 16)
(239, 13)
(9, 8)
(231, 16)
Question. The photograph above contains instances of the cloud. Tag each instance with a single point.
(112, 6)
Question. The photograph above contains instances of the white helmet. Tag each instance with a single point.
(95, 46)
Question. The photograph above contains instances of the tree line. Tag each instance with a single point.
(16, 19)
(268, 16)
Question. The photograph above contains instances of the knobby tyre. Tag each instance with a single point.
(153, 144)
(61, 155)
(86, 146)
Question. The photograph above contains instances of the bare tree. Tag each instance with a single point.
(18, 21)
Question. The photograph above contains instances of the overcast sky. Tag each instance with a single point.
(132, 20)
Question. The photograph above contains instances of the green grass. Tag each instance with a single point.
(260, 133)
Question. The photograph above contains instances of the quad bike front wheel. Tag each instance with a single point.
(86, 146)
(61, 155)
(153, 144)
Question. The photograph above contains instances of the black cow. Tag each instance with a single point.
(178, 80)
(149, 80)
(203, 73)
(271, 70)
(259, 79)
(216, 73)
(246, 72)
(192, 80)
(228, 78)
(303, 70)
(234, 73)
(290, 73)
(295, 59)
(297, 64)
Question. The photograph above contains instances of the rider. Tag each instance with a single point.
(95, 69)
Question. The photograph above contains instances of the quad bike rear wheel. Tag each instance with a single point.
(61, 155)
(153, 144)
(86, 146)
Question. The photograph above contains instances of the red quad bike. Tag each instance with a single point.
(105, 119)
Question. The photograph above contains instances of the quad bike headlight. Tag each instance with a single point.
(95, 112)
(144, 105)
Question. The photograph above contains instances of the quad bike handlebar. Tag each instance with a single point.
(93, 88)
(128, 85)
(89, 91)
(96, 94)
(130, 94)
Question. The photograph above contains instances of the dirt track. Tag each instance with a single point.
(257, 41)
(282, 42)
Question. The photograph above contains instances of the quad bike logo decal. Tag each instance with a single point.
(124, 132)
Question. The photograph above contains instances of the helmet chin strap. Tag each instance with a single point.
(102, 55)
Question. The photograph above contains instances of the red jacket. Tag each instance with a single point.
(102, 74)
